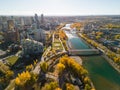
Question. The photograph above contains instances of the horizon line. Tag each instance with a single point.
(67, 15)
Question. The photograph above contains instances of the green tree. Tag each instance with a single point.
(44, 66)
(87, 87)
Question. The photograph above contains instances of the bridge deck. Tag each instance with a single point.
(84, 52)
(76, 50)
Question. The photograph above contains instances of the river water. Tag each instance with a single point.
(102, 74)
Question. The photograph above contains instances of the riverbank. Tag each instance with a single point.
(79, 60)
(110, 61)
(85, 41)
(102, 74)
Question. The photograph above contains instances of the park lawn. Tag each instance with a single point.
(56, 40)
(57, 45)
(12, 60)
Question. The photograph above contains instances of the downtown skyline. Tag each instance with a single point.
(60, 7)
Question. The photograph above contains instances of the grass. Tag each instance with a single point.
(3, 67)
(12, 60)
(57, 45)
(56, 40)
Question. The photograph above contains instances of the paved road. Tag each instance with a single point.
(37, 68)
(52, 76)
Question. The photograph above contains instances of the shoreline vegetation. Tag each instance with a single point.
(79, 70)
(109, 60)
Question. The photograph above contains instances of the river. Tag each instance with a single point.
(102, 74)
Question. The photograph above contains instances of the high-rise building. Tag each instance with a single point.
(22, 21)
(42, 19)
(33, 20)
(37, 21)
(11, 36)
(10, 24)
(1, 26)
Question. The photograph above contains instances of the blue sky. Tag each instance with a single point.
(60, 7)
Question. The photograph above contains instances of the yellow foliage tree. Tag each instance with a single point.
(62, 35)
(116, 59)
(60, 67)
(58, 89)
(98, 37)
(69, 87)
(70, 63)
(51, 86)
(86, 80)
(17, 81)
(22, 78)
(29, 67)
(76, 68)
(76, 25)
(25, 81)
(9, 74)
(87, 87)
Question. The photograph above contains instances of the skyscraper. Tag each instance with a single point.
(22, 21)
(1, 26)
(10, 24)
(42, 19)
(37, 21)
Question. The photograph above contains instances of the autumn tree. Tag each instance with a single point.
(22, 78)
(87, 87)
(98, 37)
(29, 67)
(69, 86)
(76, 68)
(86, 80)
(9, 74)
(25, 79)
(58, 89)
(51, 86)
(60, 67)
(117, 37)
(76, 25)
(62, 35)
